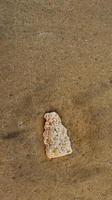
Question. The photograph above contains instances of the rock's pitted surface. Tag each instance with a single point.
(55, 135)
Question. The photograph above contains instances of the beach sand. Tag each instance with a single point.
(55, 56)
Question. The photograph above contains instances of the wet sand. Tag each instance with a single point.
(56, 56)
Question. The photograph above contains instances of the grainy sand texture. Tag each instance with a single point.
(55, 55)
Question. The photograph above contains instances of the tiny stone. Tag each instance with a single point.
(20, 124)
(56, 140)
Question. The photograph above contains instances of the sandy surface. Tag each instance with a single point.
(55, 55)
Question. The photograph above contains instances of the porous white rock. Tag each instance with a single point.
(56, 140)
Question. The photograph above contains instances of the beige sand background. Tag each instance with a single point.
(55, 55)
